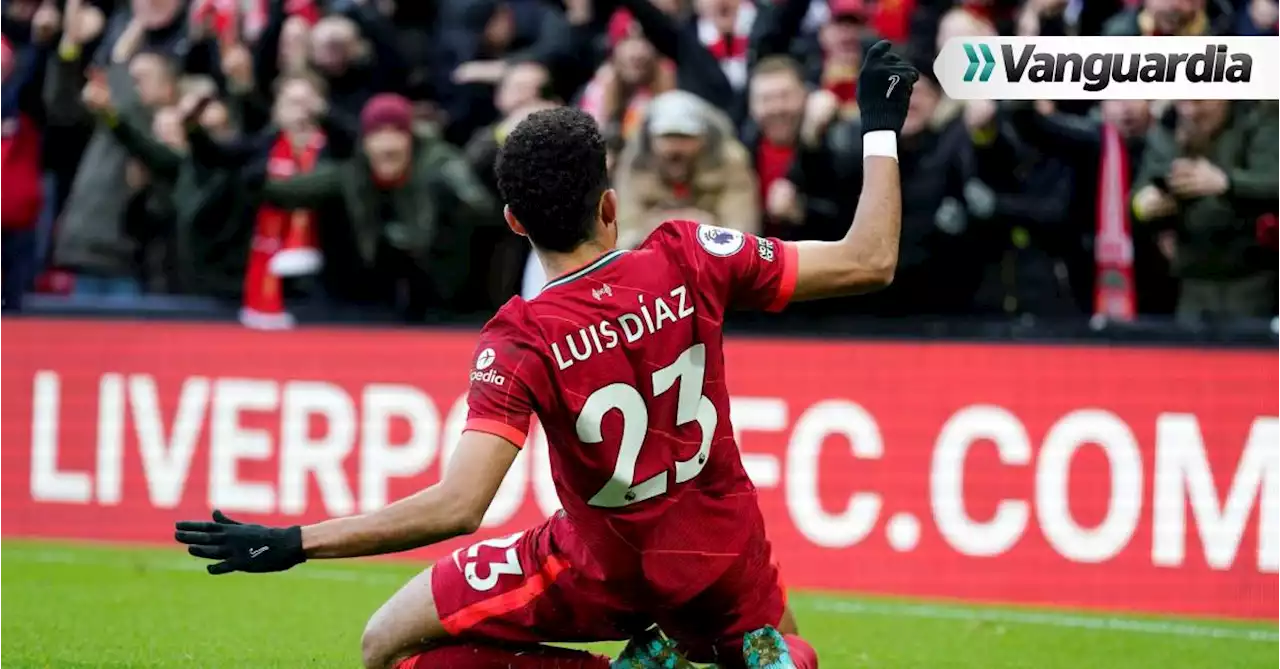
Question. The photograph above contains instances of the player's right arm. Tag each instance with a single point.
(866, 258)
(505, 379)
(452, 507)
(503, 385)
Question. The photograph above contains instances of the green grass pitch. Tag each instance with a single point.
(69, 606)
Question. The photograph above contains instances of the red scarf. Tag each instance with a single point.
(729, 47)
(263, 305)
(1113, 246)
(730, 50)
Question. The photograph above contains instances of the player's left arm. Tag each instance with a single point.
(450, 508)
(867, 257)
(762, 273)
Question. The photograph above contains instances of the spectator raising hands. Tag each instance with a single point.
(128, 42)
(82, 23)
(46, 22)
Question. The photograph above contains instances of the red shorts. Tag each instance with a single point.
(526, 588)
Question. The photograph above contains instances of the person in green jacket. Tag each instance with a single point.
(397, 218)
(1209, 178)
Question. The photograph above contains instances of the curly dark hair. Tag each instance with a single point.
(551, 173)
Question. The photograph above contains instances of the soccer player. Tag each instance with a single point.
(620, 358)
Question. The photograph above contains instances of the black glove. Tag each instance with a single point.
(884, 89)
(250, 548)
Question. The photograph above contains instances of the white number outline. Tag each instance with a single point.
(510, 566)
(689, 368)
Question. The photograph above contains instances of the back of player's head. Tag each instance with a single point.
(551, 174)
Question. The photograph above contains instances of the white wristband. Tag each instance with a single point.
(880, 143)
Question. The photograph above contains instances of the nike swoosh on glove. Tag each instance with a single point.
(884, 89)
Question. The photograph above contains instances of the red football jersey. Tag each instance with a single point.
(622, 362)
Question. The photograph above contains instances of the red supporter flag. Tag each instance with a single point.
(284, 243)
(299, 254)
(262, 305)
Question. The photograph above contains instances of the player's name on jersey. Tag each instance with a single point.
(648, 318)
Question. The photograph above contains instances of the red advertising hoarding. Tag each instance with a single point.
(1109, 478)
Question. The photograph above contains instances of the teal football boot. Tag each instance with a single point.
(766, 649)
(650, 650)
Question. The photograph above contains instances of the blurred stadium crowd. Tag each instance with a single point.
(277, 153)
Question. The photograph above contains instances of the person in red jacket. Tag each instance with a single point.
(21, 193)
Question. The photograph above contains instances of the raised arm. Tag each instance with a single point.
(65, 79)
(1058, 133)
(391, 68)
(266, 54)
(312, 190)
(697, 69)
(775, 27)
(156, 156)
(866, 258)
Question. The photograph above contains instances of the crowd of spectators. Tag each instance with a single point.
(278, 153)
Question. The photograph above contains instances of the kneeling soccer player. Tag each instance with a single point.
(621, 359)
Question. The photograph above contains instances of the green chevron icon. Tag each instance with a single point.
(988, 62)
